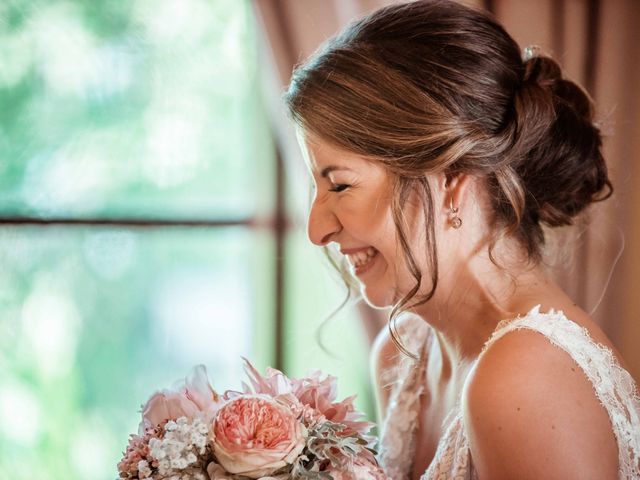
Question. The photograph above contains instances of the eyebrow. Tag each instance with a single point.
(331, 168)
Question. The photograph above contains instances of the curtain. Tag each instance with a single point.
(598, 45)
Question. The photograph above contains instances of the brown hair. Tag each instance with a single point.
(433, 86)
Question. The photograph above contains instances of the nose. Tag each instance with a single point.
(322, 224)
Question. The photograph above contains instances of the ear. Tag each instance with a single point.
(455, 188)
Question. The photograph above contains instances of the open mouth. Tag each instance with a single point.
(362, 260)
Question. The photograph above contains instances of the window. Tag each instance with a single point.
(135, 169)
(137, 192)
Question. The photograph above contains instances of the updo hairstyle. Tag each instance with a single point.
(433, 87)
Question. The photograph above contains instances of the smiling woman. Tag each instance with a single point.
(441, 153)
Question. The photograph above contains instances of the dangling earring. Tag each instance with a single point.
(456, 221)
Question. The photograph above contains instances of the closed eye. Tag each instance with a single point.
(340, 187)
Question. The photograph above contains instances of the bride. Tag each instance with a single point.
(440, 155)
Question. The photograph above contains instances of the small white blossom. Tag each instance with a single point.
(144, 469)
(179, 463)
(181, 453)
(191, 458)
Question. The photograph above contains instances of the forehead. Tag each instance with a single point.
(321, 155)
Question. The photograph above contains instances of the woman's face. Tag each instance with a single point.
(352, 208)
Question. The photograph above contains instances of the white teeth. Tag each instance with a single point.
(361, 258)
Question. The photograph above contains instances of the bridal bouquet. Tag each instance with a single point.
(277, 428)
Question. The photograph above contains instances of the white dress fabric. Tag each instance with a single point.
(613, 386)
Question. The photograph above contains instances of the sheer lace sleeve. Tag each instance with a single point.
(396, 449)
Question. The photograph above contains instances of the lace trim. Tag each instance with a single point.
(453, 456)
(613, 385)
(397, 448)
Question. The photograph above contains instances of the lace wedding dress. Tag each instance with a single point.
(612, 384)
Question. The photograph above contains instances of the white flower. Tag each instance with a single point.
(180, 453)
(143, 469)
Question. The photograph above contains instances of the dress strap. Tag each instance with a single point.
(613, 385)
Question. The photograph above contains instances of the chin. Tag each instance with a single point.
(377, 299)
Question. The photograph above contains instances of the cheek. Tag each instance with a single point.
(415, 231)
(386, 240)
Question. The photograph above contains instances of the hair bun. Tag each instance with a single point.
(545, 72)
(557, 148)
(540, 69)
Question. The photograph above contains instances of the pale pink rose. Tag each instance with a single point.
(187, 398)
(167, 405)
(255, 435)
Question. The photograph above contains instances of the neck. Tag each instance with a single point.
(470, 302)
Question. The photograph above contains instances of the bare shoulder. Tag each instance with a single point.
(384, 361)
(531, 412)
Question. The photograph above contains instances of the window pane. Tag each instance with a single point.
(94, 320)
(125, 108)
(314, 291)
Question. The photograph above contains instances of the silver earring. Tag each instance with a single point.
(456, 221)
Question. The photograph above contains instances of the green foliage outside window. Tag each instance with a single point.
(129, 108)
(142, 109)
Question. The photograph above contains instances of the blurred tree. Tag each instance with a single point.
(137, 188)
(125, 124)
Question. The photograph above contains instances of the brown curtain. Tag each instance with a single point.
(598, 44)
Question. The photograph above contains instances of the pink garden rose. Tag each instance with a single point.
(255, 435)
(167, 405)
(185, 399)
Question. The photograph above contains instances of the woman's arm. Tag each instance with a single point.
(531, 413)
